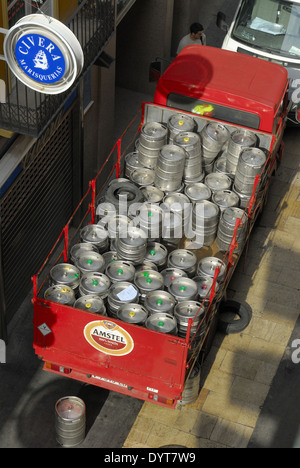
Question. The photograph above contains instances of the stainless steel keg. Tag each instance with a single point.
(153, 136)
(191, 387)
(164, 323)
(95, 234)
(95, 284)
(109, 257)
(117, 224)
(217, 181)
(131, 163)
(197, 192)
(157, 253)
(186, 310)
(250, 164)
(133, 247)
(146, 265)
(180, 204)
(169, 274)
(205, 220)
(120, 270)
(92, 304)
(148, 280)
(214, 135)
(239, 140)
(60, 293)
(152, 194)
(90, 261)
(207, 268)
(77, 249)
(204, 284)
(183, 259)
(143, 177)
(121, 293)
(159, 301)
(170, 168)
(191, 142)
(149, 219)
(178, 123)
(226, 229)
(225, 198)
(183, 289)
(70, 421)
(132, 313)
(65, 274)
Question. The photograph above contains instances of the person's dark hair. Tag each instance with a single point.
(196, 27)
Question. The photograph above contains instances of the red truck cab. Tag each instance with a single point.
(226, 86)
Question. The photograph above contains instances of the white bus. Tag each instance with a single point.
(268, 29)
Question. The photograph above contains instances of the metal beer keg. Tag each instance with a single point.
(183, 259)
(186, 310)
(152, 194)
(193, 162)
(132, 163)
(157, 253)
(133, 247)
(149, 219)
(197, 192)
(169, 274)
(225, 198)
(217, 181)
(142, 177)
(226, 229)
(65, 274)
(135, 314)
(205, 220)
(204, 288)
(170, 168)
(70, 421)
(77, 249)
(92, 304)
(250, 164)
(159, 301)
(164, 323)
(146, 281)
(95, 284)
(90, 261)
(153, 137)
(178, 123)
(207, 268)
(120, 270)
(60, 293)
(214, 135)
(183, 289)
(239, 140)
(96, 235)
(120, 293)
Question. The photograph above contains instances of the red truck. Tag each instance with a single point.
(209, 85)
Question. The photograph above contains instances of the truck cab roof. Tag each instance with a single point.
(226, 78)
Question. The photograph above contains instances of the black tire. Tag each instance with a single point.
(228, 311)
(135, 195)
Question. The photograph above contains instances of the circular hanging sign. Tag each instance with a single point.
(43, 54)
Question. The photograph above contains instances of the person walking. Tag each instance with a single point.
(196, 37)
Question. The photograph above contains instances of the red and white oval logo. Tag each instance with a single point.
(108, 337)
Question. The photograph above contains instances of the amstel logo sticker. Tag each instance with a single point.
(108, 337)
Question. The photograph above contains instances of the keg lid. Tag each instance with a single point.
(60, 293)
(244, 138)
(183, 288)
(90, 261)
(159, 301)
(154, 131)
(156, 252)
(204, 285)
(150, 213)
(116, 224)
(152, 194)
(148, 280)
(182, 259)
(143, 176)
(173, 153)
(176, 201)
(70, 408)
(189, 309)
(218, 181)
(105, 208)
(206, 209)
(181, 122)
(225, 198)
(136, 237)
(94, 233)
(164, 323)
(120, 270)
(208, 265)
(123, 291)
(93, 304)
(132, 313)
(132, 159)
(78, 248)
(254, 157)
(217, 132)
(169, 274)
(65, 273)
(95, 283)
(197, 192)
(187, 139)
(231, 214)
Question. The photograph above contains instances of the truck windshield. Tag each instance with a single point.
(270, 25)
(215, 111)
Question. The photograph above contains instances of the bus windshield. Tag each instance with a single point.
(270, 25)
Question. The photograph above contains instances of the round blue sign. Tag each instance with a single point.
(40, 58)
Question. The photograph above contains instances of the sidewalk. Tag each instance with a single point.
(250, 386)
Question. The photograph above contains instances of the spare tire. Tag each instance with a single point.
(133, 193)
(228, 311)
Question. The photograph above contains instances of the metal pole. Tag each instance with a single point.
(3, 325)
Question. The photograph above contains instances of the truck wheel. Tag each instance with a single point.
(134, 194)
(229, 310)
